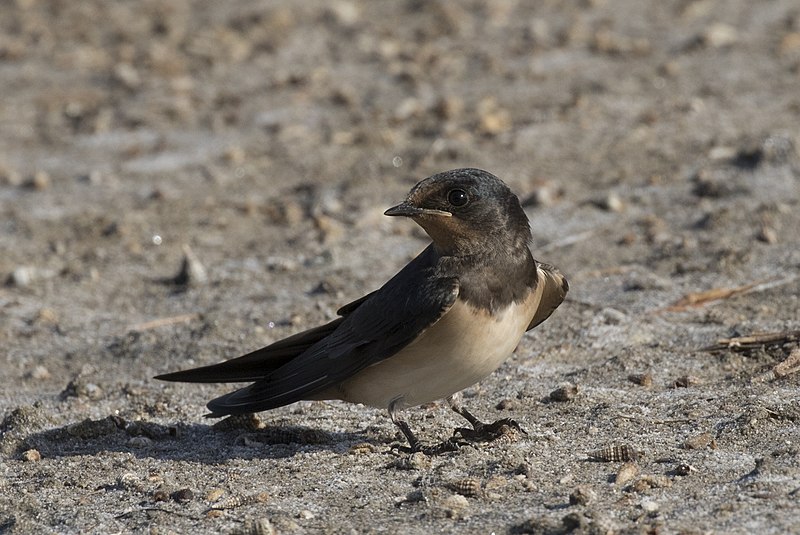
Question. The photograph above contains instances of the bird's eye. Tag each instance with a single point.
(457, 198)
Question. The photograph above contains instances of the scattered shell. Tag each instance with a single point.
(240, 501)
(305, 514)
(565, 392)
(698, 442)
(616, 453)
(641, 379)
(361, 448)
(582, 495)
(191, 271)
(31, 456)
(468, 486)
(626, 473)
(250, 422)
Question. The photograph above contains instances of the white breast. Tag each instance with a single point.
(459, 350)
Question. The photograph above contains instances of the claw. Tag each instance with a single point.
(482, 432)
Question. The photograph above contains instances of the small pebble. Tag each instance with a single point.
(31, 456)
(182, 495)
(40, 181)
(566, 392)
(720, 34)
(582, 495)
(415, 461)
(648, 482)
(507, 404)
(214, 494)
(684, 469)
(40, 373)
(626, 473)
(698, 442)
(641, 379)
(455, 505)
(611, 203)
(767, 235)
(160, 496)
(685, 381)
(649, 505)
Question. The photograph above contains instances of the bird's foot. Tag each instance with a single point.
(451, 444)
(482, 432)
(446, 446)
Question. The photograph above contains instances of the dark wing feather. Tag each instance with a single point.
(379, 327)
(261, 362)
(349, 307)
(555, 288)
(257, 364)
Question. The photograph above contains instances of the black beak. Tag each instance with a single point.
(406, 209)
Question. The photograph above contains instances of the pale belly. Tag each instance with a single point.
(459, 350)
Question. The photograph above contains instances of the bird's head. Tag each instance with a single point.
(466, 212)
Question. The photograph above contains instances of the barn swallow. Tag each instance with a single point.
(447, 320)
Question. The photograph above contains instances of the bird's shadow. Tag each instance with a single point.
(187, 442)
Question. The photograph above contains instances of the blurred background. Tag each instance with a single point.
(185, 181)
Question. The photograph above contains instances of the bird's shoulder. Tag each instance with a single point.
(493, 282)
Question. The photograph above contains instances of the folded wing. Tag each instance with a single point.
(373, 328)
(553, 293)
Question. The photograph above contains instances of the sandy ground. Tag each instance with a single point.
(655, 145)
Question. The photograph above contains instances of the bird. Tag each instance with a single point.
(444, 322)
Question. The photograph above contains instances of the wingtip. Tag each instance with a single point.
(164, 377)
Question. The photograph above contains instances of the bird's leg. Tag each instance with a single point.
(413, 441)
(480, 430)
